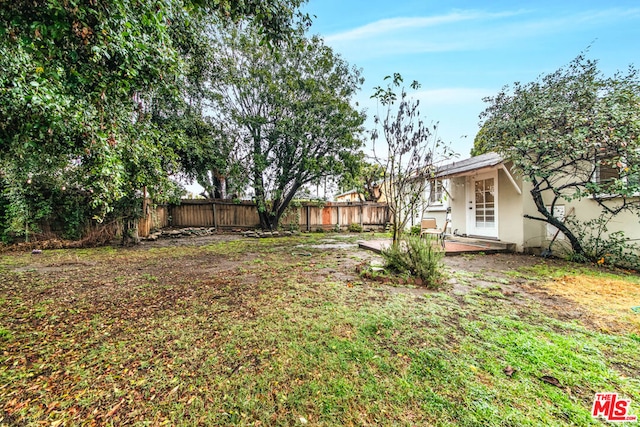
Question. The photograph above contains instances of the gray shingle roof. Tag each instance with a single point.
(469, 165)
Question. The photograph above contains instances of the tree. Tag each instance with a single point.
(73, 80)
(363, 176)
(409, 154)
(78, 82)
(290, 111)
(573, 134)
(204, 146)
(480, 143)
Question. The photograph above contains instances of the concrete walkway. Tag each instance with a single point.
(452, 247)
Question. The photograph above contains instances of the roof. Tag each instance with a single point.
(469, 165)
(346, 193)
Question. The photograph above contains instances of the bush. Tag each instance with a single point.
(415, 230)
(355, 228)
(612, 249)
(418, 257)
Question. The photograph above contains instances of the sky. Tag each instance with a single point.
(463, 51)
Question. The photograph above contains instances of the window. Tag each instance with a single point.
(436, 192)
(612, 174)
(606, 172)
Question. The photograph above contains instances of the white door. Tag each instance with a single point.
(482, 201)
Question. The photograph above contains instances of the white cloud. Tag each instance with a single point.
(386, 26)
(466, 30)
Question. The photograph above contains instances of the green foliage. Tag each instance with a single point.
(419, 257)
(354, 227)
(573, 134)
(361, 175)
(415, 230)
(74, 80)
(602, 247)
(287, 109)
(481, 144)
(5, 334)
(91, 95)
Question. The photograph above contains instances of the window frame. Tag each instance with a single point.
(615, 171)
(439, 204)
(436, 188)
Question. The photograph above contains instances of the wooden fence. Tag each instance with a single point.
(154, 218)
(227, 215)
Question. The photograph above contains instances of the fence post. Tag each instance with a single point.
(213, 209)
(308, 218)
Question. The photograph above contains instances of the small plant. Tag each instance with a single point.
(355, 228)
(415, 230)
(5, 334)
(150, 278)
(418, 257)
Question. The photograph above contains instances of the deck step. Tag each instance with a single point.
(453, 245)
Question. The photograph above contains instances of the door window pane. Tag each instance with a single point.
(485, 203)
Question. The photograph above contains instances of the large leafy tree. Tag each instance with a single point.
(80, 86)
(290, 114)
(73, 79)
(573, 134)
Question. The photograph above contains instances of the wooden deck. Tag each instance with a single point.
(452, 247)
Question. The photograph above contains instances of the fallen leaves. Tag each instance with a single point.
(509, 371)
(114, 409)
(551, 380)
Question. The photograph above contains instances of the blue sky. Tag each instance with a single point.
(462, 51)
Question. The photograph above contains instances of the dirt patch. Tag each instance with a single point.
(492, 264)
(190, 241)
(597, 302)
(610, 299)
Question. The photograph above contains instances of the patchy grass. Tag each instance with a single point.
(555, 269)
(609, 297)
(247, 333)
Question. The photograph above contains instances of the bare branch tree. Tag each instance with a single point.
(412, 147)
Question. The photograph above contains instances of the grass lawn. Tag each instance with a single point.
(282, 331)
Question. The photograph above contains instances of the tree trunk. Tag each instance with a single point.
(576, 246)
(282, 206)
(395, 231)
(220, 185)
(130, 232)
(267, 220)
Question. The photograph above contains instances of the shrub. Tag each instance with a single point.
(418, 257)
(604, 249)
(415, 230)
(355, 228)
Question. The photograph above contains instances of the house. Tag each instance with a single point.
(350, 196)
(358, 196)
(488, 200)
